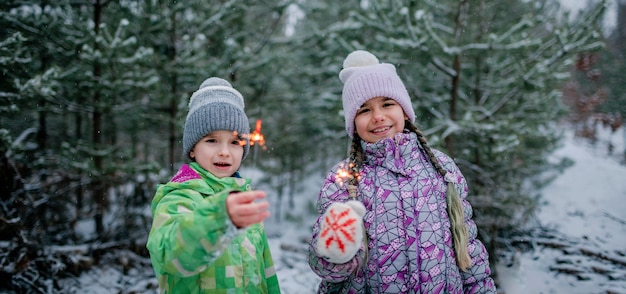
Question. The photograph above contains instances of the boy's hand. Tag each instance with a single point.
(243, 210)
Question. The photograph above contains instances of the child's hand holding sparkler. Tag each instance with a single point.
(341, 233)
(247, 208)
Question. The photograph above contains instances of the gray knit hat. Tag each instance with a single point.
(215, 106)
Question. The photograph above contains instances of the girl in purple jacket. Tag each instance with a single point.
(394, 216)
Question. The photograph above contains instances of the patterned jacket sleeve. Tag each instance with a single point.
(189, 231)
(476, 279)
(333, 190)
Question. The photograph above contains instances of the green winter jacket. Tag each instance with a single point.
(195, 248)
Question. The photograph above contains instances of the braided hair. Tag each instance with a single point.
(453, 200)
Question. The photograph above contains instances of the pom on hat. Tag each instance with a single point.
(341, 232)
(360, 58)
(215, 106)
(364, 78)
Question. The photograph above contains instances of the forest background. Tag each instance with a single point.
(93, 96)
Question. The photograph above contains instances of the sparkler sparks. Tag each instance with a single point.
(257, 137)
(344, 174)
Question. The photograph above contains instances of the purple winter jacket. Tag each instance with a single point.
(410, 246)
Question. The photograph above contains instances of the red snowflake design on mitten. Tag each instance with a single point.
(339, 227)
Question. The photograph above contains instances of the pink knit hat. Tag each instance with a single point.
(364, 78)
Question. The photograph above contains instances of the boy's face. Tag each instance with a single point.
(219, 152)
(379, 118)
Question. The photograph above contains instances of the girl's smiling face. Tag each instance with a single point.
(219, 152)
(379, 118)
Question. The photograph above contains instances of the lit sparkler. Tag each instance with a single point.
(344, 174)
(256, 137)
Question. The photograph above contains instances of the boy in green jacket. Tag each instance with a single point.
(207, 234)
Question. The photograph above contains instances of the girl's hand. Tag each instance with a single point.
(247, 208)
(341, 231)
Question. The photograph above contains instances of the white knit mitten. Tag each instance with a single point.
(341, 232)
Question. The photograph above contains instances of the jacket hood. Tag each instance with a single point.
(393, 153)
(193, 176)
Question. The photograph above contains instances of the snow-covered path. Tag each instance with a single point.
(587, 203)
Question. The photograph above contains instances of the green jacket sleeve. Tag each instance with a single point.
(189, 231)
(270, 271)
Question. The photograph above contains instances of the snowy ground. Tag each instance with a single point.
(585, 203)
